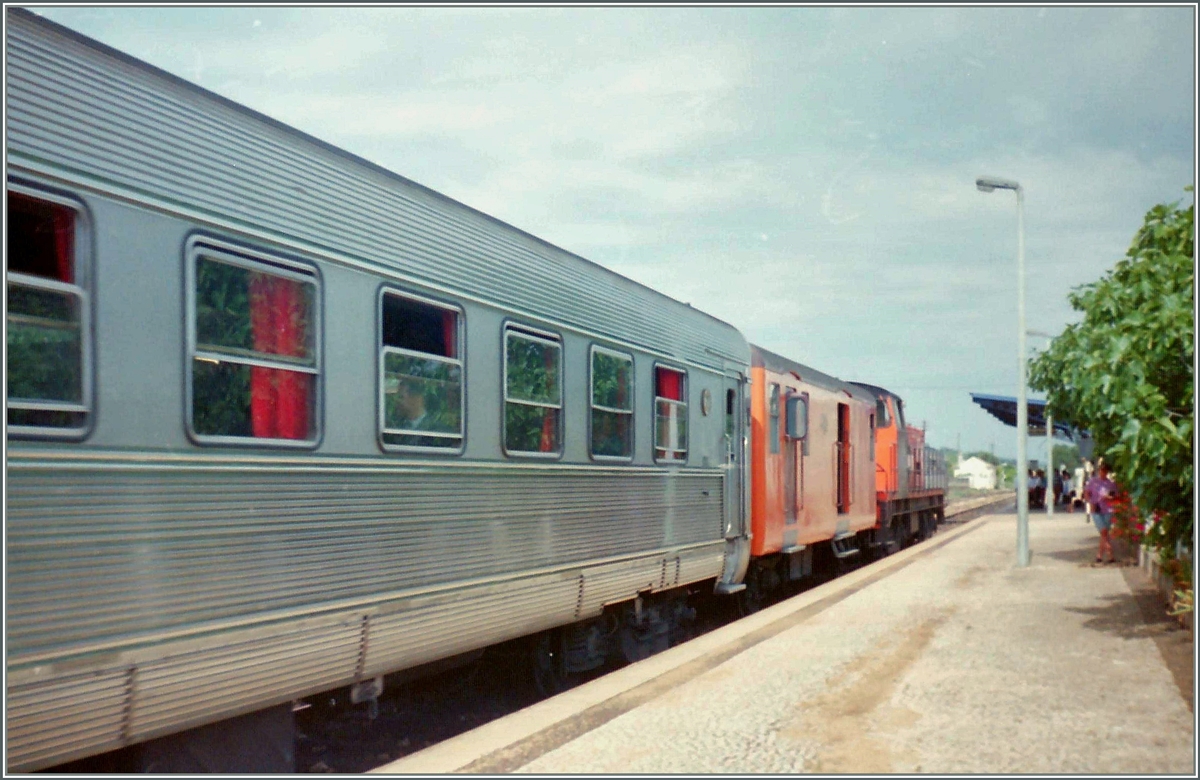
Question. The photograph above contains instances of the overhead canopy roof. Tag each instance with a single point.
(1004, 409)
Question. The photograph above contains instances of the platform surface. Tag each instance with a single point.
(943, 658)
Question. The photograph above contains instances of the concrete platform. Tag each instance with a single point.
(943, 658)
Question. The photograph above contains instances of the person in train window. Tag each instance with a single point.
(412, 405)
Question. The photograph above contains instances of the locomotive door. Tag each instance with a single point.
(736, 412)
(842, 448)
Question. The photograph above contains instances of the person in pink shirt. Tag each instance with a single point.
(1098, 493)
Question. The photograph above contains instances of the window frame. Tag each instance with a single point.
(262, 261)
(592, 350)
(801, 444)
(687, 419)
(81, 288)
(461, 361)
(531, 333)
(774, 392)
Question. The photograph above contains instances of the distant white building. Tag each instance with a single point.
(980, 474)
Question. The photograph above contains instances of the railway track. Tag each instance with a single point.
(334, 735)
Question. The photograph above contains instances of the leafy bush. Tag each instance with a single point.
(1125, 372)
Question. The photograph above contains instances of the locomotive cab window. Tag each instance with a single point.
(253, 337)
(730, 410)
(49, 351)
(670, 414)
(612, 404)
(532, 392)
(420, 373)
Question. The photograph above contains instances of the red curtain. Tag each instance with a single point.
(449, 334)
(64, 243)
(549, 426)
(278, 319)
(549, 442)
(670, 384)
(61, 265)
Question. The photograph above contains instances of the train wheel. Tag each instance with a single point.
(895, 536)
(549, 662)
(928, 525)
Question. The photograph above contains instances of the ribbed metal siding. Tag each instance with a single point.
(607, 584)
(242, 674)
(108, 553)
(701, 564)
(164, 688)
(469, 619)
(74, 108)
(611, 583)
(56, 721)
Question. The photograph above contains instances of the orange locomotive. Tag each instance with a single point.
(910, 478)
(812, 466)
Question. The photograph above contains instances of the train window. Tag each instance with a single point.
(774, 415)
(49, 352)
(420, 373)
(730, 407)
(612, 404)
(670, 414)
(881, 413)
(254, 349)
(532, 392)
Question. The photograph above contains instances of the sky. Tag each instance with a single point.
(806, 174)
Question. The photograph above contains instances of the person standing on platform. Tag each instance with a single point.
(1099, 493)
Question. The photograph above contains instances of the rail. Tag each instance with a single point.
(962, 507)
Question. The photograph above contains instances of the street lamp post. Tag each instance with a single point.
(1050, 462)
(988, 184)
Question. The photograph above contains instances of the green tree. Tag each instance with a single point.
(1125, 372)
(1066, 455)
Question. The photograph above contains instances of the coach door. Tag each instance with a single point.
(736, 412)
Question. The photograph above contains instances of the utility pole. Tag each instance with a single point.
(1050, 463)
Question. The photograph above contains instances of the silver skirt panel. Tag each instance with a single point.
(145, 600)
(103, 554)
(56, 713)
(57, 720)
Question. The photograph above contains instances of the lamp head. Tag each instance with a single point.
(990, 183)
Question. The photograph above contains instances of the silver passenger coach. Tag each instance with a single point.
(281, 421)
